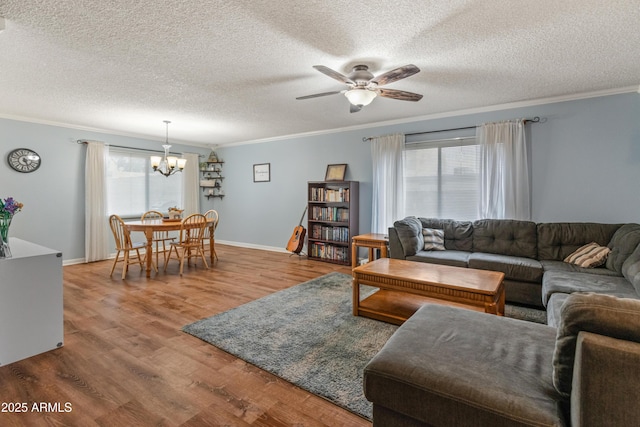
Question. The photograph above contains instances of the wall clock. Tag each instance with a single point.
(23, 160)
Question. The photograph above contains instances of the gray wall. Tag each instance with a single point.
(585, 167)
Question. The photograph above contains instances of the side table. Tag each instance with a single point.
(371, 241)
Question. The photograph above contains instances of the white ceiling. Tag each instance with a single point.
(229, 71)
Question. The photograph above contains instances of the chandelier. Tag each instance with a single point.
(167, 165)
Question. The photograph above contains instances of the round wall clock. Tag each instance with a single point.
(23, 160)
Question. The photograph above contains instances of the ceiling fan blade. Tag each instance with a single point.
(319, 94)
(354, 108)
(333, 74)
(400, 94)
(396, 74)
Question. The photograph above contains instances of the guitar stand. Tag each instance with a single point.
(300, 254)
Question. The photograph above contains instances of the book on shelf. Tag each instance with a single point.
(328, 251)
(328, 213)
(321, 194)
(336, 234)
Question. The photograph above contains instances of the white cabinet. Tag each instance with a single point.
(31, 305)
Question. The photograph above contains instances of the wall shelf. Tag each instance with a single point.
(211, 179)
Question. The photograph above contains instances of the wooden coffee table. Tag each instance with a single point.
(404, 286)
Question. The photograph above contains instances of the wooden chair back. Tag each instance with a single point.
(211, 214)
(151, 215)
(155, 215)
(120, 233)
(122, 237)
(192, 230)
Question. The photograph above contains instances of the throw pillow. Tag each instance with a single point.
(591, 255)
(596, 313)
(433, 239)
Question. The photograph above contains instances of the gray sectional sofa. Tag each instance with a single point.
(448, 366)
(530, 255)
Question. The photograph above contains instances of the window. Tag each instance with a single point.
(441, 179)
(134, 188)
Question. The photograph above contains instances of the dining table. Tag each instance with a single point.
(149, 226)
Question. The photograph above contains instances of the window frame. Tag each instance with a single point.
(146, 155)
(439, 144)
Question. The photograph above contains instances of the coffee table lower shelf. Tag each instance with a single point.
(396, 307)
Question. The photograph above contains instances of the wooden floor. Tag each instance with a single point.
(125, 361)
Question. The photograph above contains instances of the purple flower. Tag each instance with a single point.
(10, 206)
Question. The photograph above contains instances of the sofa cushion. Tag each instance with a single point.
(588, 256)
(458, 235)
(409, 232)
(553, 308)
(631, 269)
(556, 240)
(551, 265)
(433, 239)
(568, 282)
(622, 244)
(453, 258)
(505, 237)
(600, 314)
(456, 367)
(514, 268)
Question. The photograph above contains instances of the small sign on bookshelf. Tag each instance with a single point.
(336, 172)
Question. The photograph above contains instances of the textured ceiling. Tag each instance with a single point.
(229, 71)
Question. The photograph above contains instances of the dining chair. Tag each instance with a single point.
(210, 215)
(189, 244)
(124, 245)
(160, 238)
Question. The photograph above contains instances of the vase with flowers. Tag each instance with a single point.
(8, 208)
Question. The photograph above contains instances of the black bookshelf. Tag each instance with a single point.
(332, 220)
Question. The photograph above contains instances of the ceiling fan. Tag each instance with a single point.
(363, 87)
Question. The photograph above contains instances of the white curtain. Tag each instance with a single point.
(504, 171)
(388, 181)
(96, 232)
(190, 185)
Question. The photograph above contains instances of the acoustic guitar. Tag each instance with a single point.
(296, 242)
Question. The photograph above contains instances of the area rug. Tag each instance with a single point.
(308, 336)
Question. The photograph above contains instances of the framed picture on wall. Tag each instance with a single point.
(262, 172)
(336, 172)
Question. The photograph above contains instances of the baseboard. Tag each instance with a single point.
(82, 260)
(221, 242)
(73, 261)
(251, 246)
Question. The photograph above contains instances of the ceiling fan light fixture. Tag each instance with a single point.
(360, 96)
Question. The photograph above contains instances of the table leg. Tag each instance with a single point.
(383, 250)
(211, 253)
(149, 250)
(496, 307)
(354, 255)
(356, 294)
(491, 308)
(501, 302)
